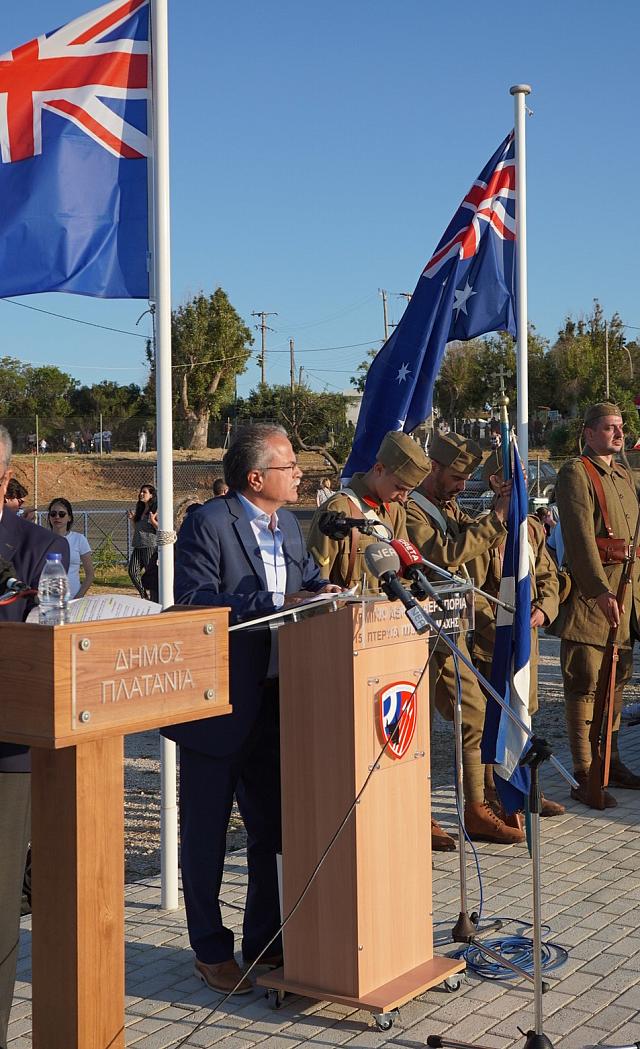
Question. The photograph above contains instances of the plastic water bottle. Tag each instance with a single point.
(53, 592)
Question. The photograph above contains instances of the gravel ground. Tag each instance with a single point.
(142, 768)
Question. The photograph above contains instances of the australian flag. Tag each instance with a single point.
(466, 289)
(504, 742)
(74, 144)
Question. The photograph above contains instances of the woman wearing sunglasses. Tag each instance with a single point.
(60, 519)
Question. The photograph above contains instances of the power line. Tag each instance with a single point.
(76, 320)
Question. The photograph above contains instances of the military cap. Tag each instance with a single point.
(493, 464)
(598, 411)
(404, 457)
(460, 453)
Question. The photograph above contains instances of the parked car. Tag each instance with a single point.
(477, 495)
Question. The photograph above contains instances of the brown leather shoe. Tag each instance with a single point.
(224, 977)
(579, 793)
(483, 825)
(550, 808)
(621, 776)
(440, 840)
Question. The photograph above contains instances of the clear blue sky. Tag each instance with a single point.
(319, 151)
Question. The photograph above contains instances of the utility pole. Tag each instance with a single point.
(263, 327)
(292, 365)
(384, 313)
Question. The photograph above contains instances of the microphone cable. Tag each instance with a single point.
(321, 861)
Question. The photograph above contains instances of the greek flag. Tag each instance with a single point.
(503, 741)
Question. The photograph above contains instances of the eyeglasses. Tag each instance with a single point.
(290, 466)
(57, 513)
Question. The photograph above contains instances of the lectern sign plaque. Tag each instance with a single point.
(118, 675)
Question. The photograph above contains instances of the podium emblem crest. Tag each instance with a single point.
(397, 716)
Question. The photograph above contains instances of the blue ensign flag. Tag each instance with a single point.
(466, 289)
(74, 144)
(503, 741)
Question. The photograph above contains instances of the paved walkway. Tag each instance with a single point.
(591, 900)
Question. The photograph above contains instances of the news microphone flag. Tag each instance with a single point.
(466, 289)
(504, 742)
(74, 148)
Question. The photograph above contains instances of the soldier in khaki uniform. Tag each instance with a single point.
(450, 538)
(378, 495)
(591, 607)
(486, 572)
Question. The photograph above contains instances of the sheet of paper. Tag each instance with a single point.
(105, 606)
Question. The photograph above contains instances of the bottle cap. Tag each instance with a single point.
(54, 557)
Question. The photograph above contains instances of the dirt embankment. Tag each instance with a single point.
(117, 478)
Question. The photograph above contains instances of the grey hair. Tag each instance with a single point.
(249, 451)
(6, 447)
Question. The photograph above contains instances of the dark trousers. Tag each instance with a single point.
(15, 820)
(207, 787)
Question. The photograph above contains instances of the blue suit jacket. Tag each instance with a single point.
(218, 563)
(26, 545)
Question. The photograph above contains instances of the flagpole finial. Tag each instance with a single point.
(520, 89)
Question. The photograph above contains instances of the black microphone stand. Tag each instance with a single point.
(538, 752)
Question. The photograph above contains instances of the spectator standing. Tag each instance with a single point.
(220, 487)
(324, 492)
(106, 441)
(142, 441)
(43, 446)
(144, 540)
(60, 519)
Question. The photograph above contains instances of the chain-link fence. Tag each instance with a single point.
(102, 491)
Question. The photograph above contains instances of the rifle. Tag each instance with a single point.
(604, 699)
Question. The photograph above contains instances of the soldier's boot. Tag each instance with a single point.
(580, 793)
(483, 825)
(440, 840)
(547, 806)
(619, 774)
(579, 715)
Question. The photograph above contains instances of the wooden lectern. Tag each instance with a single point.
(363, 934)
(72, 693)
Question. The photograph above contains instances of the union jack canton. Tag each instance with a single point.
(74, 143)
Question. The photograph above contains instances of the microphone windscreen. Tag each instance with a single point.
(333, 524)
(408, 553)
(381, 558)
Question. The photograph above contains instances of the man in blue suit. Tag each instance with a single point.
(25, 546)
(244, 552)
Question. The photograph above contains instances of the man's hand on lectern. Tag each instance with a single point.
(301, 596)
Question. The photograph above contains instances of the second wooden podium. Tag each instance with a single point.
(362, 934)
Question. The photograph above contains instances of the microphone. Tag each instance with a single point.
(8, 582)
(383, 562)
(412, 567)
(337, 525)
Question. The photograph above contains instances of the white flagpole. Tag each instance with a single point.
(164, 429)
(519, 92)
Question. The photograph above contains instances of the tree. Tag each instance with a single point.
(27, 391)
(455, 392)
(210, 345)
(109, 399)
(579, 357)
(359, 380)
(316, 422)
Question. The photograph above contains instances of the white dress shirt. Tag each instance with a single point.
(270, 547)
